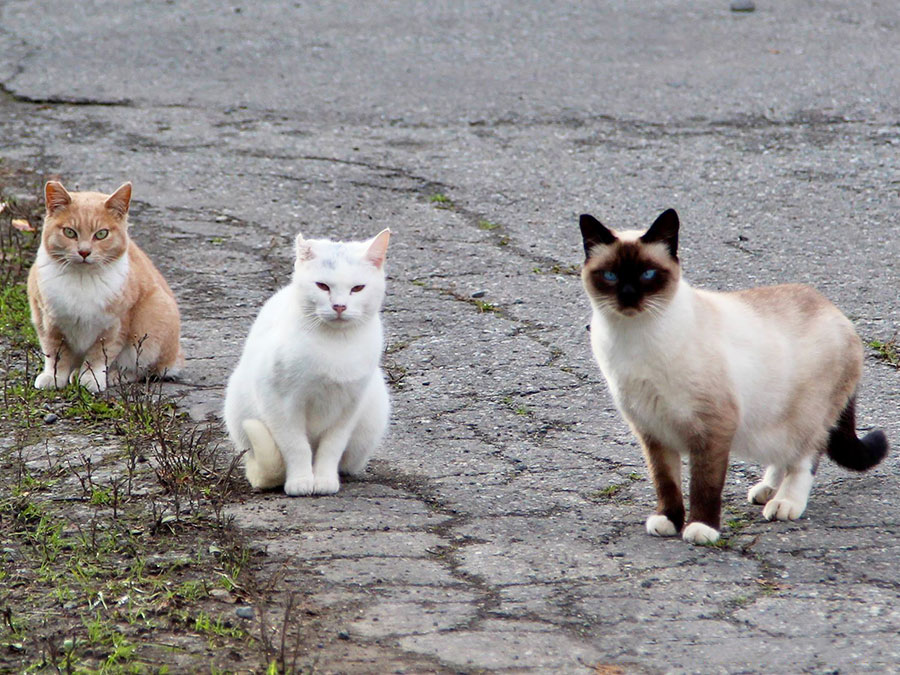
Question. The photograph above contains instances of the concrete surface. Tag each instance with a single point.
(501, 526)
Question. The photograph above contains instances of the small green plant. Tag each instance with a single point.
(441, 201)
(487, 225)
(485, 306)
(889, 351)
(610, 491)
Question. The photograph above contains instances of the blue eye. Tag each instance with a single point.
(610, 277)
(648, 275)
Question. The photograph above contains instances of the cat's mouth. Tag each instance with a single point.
(629, 311)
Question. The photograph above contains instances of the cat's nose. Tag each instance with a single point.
(339, 308)
(83, 254)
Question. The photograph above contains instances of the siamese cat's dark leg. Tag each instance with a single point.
(709, 464)
(665, 470)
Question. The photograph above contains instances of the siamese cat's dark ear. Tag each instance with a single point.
(664, 229)
(593, 232)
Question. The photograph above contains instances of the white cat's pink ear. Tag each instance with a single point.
(56, 196)
(378, 248)
(120, 200)
(303, 248)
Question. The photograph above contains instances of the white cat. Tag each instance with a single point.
(308, 398)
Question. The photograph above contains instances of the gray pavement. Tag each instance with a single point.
(501, 526)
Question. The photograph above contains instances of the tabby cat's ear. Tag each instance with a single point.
(664, 229)
(594, 233)
(56, 196)
(120, 200)
(378, 248)
(303, 249)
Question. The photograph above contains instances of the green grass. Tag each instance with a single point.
(485, 306)
(487, 225)
(441, 201)
(112, 519)
(889, 351)
(615, 489)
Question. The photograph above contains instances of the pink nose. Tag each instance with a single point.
(84, 254)
(339, 308)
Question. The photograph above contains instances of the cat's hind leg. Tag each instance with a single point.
(762, 492)
(152, 345)
(789, 501)
(369, 429)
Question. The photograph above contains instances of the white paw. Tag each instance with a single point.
(46, 380)
(698, 533)
(783, 509)
(93, 380)
(660, 526)
(326, 485)
(299, 487)
(760, 493)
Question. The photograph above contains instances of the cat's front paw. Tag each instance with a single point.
(783, 509)
(93, 380)
(47, 380)
(326, 485)
(698, 533)
(760, 493)
(299, 487)
(660, 526)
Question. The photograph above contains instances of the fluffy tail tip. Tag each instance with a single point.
(263, 465)
(877, 444)
(858, 454)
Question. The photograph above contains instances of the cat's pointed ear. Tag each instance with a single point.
(56, 196)
(594, 233)
(119, 201)
(664, 229)
(378, 248)
(303, 249)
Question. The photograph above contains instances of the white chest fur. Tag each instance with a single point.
(80, 298)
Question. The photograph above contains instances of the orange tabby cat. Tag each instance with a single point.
(103, 312)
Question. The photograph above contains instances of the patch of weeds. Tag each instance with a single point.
(487, 225)
(771, 586)
(889, 351)
(503, 241)
(216, 627)
(517, 408)
(485, 306)
(613, 489)
(441, 201)
(112, 519)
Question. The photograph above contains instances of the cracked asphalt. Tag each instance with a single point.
(501, 526)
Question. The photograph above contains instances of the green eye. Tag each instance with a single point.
(101, 234)
(70, 233)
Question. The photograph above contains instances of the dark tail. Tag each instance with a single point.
(846, 449)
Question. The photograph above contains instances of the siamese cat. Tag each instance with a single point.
(769, 374)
